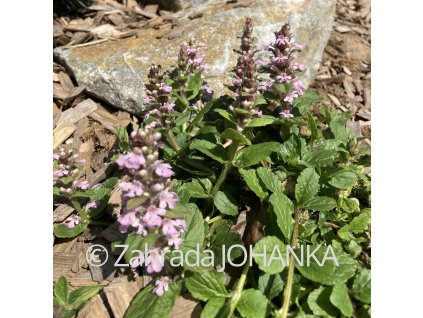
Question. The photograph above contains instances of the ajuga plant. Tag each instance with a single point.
(255, 203)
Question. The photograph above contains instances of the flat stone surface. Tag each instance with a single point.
(115, 71)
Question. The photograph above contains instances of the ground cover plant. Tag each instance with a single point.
(256, 202)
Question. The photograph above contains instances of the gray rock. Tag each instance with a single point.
(116, 70)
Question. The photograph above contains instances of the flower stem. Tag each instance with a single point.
(172, 140)
(238, 290)
(283, 313)
(216, 218)
(232, 150)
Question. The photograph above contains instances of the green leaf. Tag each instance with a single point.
(148, 304)
(342, 179)
(354, 249)
(319, 302)
(270, 285)
(323, 269)
(274, 259)
(252, 155)
(265, 120)
(361, 286)
(199, 117)
(360, 223)
(225, 203)
(303, 102)
(210, 149)
(337, 126)
(321, 204)
(110, 183)
(67, 313)
(253, 304)
(270, 179)
(227, 240)
(195, 188)
(349, 205)
(313, 126)
(225, 114)
(253, 182)
(80, 296)
(284, 208)
(195, 230)
(206, 285)
(214, 307)
(62, 231)
(340, 299)
(61, 290)
(232, 134)
(194, 86)
(307, 185)
(322, 157)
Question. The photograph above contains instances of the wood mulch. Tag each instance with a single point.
(87, 125)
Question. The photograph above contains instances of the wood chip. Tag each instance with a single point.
(120, 293)
(75, 114)
(94, 309)
(195, 15)
(342, 29)
(85, 152)
(176, 33)
(348, 86)
(335, 100)
(63, 263)
(367, 98)
(73, 94)
(109, 121)
(64, 245)
(83, 278)
(81, 127)
(61, 133)
(151, 8)
(112, 233)
(346, 70)
(59, 92)
(105, 31)
(101, 174)
(62, 212)
(186, 307)
(364, 115)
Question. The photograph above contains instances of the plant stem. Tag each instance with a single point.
(288, 290)
(172, 140)
(232, 150)
(238, 290)
(216, 218)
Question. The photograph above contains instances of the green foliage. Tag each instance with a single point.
(71, 302)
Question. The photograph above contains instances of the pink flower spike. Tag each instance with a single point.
(92, 205)
(168, 198)
(155, 261)
(163, 169)
(131, 160)
(162, 285)
(72, 221)
(286, 114)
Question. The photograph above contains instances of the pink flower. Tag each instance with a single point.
(279, 59)
(168, 198)
(132, 189)
(137, 261)
(162, 285)
(290, 97)
(61, 172)
(72, 221)
(163, 169)
(283, 78)
(237, 82)
(165, 88)
(92, 205)
(174, 240)
(281, 41)
(298, 85)
(286, 114)
(84, 185)
(299, 47)
(152, 219)
(156, 210)
(181, 224)
(298, 66)
(268, 85)
(157, 187)
(256, 112)
(131, 160)
(141, 230)
(169, 227)
(155, 261)
(56, 156)
(208, 89)
(126, 220)
(148, 100)
(168, 107)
